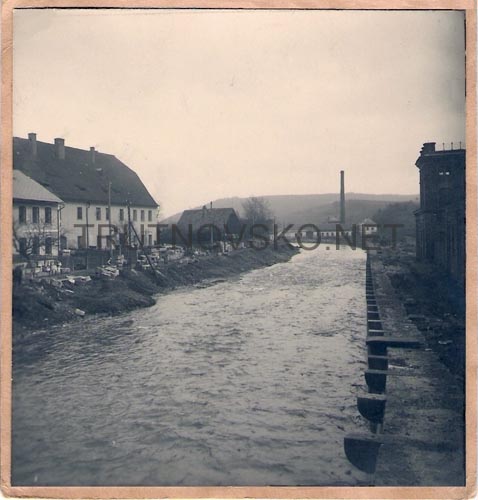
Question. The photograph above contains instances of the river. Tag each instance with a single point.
(250, 381)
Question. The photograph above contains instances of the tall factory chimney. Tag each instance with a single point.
(342, 197)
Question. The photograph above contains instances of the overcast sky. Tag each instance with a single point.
(210, 104)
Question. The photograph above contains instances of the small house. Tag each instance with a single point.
(36, 229)
(209, 224)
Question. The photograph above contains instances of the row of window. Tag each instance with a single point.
(101, 241)
(79, 214)
(35, 246)
(35, 218)
(48, 243)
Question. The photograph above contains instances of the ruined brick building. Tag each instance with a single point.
(440, 220)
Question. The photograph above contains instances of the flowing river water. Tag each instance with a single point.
(250, 381)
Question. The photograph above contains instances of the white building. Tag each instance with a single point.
(367, 227)
(89, 183)
(36, 230)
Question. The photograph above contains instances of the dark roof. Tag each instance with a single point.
(367, 220)
(203, 216)
(77, 179)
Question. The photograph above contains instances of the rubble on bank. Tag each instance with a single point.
(52, 301)
(433, 302)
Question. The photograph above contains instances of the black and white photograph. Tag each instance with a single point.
(238, 247)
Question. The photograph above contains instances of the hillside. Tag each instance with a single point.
(313, 208)
(356, 211)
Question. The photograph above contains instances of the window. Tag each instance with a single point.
(142, 234)
(80, 242)
(35, 215)
(142, 215)
(107, 213)
(35, 245)
(48, 246)
(23, 246)
(47, 215)
(121, 215)
(135, 214)
(22, 214)
(150, 215)
(79, 213)
(150, 240)
(98, 213)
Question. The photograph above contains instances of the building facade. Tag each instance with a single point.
(367, 227)
(440, 220)
(36, 229)
(91, 185)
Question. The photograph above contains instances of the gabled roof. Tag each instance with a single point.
(26, 189)
(77, 178)
(204, 216)
(367, 220)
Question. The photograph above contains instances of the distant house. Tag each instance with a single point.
(86, 180)
(35, 218)
(367, 227)
(209, 224)
(328, 233)
(440, 220)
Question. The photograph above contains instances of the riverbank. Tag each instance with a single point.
(425, 404)
(433, 303)
(41, 304)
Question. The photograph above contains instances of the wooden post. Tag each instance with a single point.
(362, 451)
(372, 407)
(374, 324)
(376, 362)
(376, 380)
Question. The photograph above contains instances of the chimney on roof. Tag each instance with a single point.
(33, 143)
(60, 148)
(92, 155)
(428, 147)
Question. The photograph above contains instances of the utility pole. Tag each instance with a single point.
(130, 243)
(87, 234)
(212, 228)
(58, 217)
(342, 197)
(110, 240)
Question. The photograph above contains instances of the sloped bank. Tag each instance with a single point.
(41, 304)
(424, 415)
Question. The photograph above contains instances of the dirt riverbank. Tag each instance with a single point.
(424, 416)
(433, 302)
(36, 305)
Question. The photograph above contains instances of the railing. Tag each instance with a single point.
(452, 146)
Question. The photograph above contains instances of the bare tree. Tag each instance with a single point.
(257, 210)
(28, 239)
